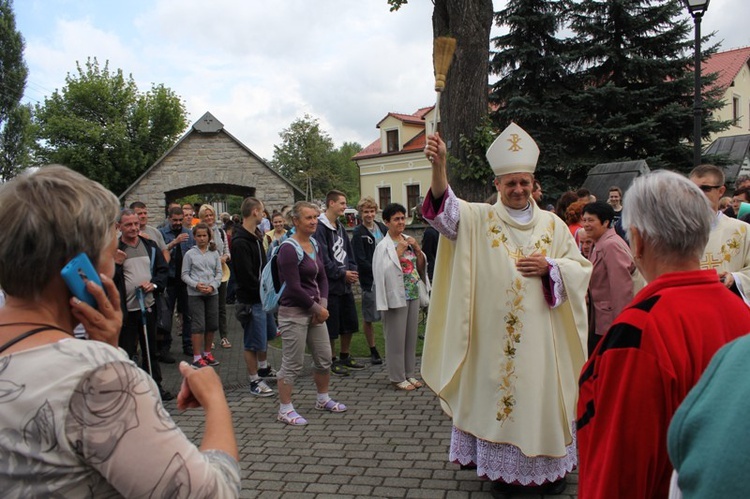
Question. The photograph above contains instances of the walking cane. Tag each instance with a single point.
(142, 303)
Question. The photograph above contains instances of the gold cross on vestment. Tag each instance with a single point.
(709, 262)
(516, 255)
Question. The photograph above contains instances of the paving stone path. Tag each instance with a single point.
(388, 444)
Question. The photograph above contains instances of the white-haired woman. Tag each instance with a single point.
(657, 348)
(78, 418)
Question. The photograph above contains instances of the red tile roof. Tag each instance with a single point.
(413, 119)
(728, 64)
(415, 144)
(371, 150)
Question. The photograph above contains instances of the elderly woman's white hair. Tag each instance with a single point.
(49, 216)
(671, 214)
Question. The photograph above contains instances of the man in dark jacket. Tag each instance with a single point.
(179, 240)
(365, 237)
(341, 271)
(258, 327)
(140, 272)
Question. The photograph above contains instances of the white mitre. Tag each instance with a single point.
(513, 151)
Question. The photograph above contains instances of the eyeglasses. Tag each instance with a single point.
(709, 188)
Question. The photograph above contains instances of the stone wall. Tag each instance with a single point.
(205, 163)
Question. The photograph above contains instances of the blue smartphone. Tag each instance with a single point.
(75, 274)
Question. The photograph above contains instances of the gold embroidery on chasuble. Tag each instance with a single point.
(500, 236)
(729, 249)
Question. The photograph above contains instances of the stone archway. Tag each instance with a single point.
(209, 160)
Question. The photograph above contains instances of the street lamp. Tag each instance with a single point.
(697, 8)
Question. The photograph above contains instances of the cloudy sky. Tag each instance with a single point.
(259, 65)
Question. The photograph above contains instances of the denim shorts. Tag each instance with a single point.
(369, 310)
(258, 326)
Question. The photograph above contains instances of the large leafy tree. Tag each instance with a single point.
(307, 153)
(16, 142)
(100, 125)
(636, 82)
(347, 170)
(463, 105)
(534, 82)
(14, 118)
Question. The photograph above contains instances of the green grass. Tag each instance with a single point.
(359, 347)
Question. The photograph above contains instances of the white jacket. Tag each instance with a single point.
(388, 277)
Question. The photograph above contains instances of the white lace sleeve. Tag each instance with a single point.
(446, 219)
(118, 426)
(558, 295)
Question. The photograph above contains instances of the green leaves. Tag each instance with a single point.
(307, 152)
(100, 125)
(15, 127)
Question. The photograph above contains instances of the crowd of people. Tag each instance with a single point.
(558, 338)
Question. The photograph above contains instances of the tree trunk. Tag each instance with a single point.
(464, 101)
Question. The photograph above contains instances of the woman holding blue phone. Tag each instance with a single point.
(81, 419)
(201, 271)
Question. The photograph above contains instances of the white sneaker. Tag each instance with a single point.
(259, 388)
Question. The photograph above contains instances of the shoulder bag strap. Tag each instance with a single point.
(23, 336)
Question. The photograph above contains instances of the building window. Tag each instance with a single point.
(412, 198)
(391, 137)
(736, 111)
(384, 196)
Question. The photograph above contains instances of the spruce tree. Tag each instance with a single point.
(634, 61)
(14, 118)
(535, 83)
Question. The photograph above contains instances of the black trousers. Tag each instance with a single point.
(177, 296)
(132, 335)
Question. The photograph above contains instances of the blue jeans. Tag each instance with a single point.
(258, 326)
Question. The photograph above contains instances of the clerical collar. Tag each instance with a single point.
(521, 216)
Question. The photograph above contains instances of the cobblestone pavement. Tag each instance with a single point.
(388, 444)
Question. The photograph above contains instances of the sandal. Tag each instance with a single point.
(225, 343)
(291, 418)
(415, 382)
(404, 385)
(331, 406)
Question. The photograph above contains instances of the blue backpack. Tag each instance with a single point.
(271, 286)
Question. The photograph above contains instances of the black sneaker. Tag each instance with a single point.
(350, 363)
(165, 395)
(375, 358)
(267, 372)
(338, 369)
(259, 388)
(166, 357)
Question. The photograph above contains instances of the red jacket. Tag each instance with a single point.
(639, 374)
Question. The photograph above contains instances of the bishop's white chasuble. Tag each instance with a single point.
(503, 362)
(728, 250)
